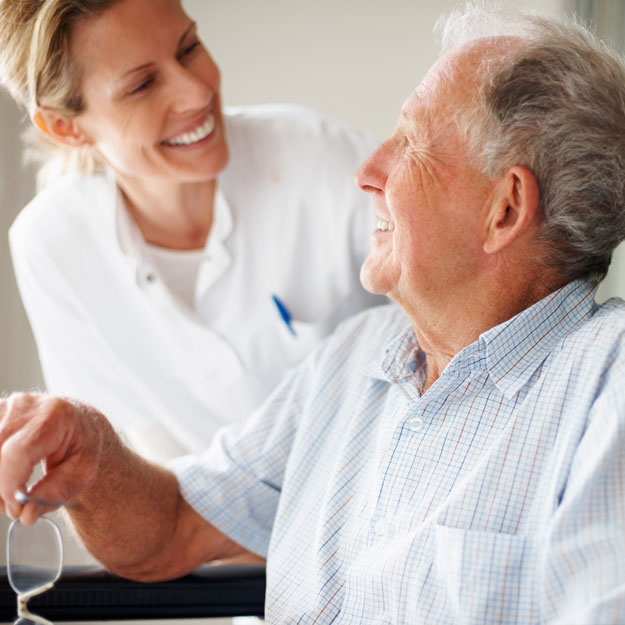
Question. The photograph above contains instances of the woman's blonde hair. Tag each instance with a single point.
(38, 69)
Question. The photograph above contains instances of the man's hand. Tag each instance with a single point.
(128, 512)
(66, 435)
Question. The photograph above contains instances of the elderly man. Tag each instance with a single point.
(458, 458)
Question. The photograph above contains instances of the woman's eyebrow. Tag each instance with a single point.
(143, 66)
(187, 32)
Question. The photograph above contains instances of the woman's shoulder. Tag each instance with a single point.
(66, 206)
(75, 188)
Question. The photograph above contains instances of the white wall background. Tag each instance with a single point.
(356, 60)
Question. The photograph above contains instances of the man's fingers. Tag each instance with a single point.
(57, 487)
(15, 410)
(36, 428)
(11, 509)
(22, 451)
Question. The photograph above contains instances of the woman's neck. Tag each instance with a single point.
(176, 216)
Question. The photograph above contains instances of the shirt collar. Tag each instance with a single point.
(133, 245)
(402, 358)
(515, 348)
(129, 237)
(215, 252)
(511, 351)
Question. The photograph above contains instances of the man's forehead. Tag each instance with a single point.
(466, 61)
(456, 73)
(440, 81)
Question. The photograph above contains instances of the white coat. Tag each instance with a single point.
(289, 221)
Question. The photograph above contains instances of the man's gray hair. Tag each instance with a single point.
(554, 103)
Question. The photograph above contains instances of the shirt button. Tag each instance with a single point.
(416, 424)
(381, 528)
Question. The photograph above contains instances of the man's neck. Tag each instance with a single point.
(446, 325)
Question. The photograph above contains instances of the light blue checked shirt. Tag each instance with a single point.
(497, 496)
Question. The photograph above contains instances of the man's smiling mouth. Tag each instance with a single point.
(385, 226)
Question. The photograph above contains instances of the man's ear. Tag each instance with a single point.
(59, 128)
(514, 213)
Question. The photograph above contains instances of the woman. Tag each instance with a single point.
(194, 255)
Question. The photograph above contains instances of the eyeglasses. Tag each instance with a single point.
(34, 563)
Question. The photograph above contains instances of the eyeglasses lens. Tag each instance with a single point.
(35, 555)
(34, 562)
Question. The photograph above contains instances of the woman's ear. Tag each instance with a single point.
(59, 128)
(514, 214)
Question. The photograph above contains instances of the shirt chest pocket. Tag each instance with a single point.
(488, 577)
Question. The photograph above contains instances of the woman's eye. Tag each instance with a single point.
(143, 86)
(190, 48)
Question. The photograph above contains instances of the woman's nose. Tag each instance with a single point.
(190, 91)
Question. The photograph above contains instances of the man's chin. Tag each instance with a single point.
(373, 279)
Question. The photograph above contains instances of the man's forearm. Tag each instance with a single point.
(134, 520)
(127, 514)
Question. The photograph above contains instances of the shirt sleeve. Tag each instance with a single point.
(236, 483)
(55, 318)
(75, 361)
(583, 573)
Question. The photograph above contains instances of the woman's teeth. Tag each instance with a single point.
(385, 225)
(201, 132)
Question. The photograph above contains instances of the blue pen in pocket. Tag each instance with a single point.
(285, 315)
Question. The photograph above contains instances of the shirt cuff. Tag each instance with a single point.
(236, 502)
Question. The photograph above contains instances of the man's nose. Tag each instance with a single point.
(372, 174)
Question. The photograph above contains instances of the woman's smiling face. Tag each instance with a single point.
(151, 93)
